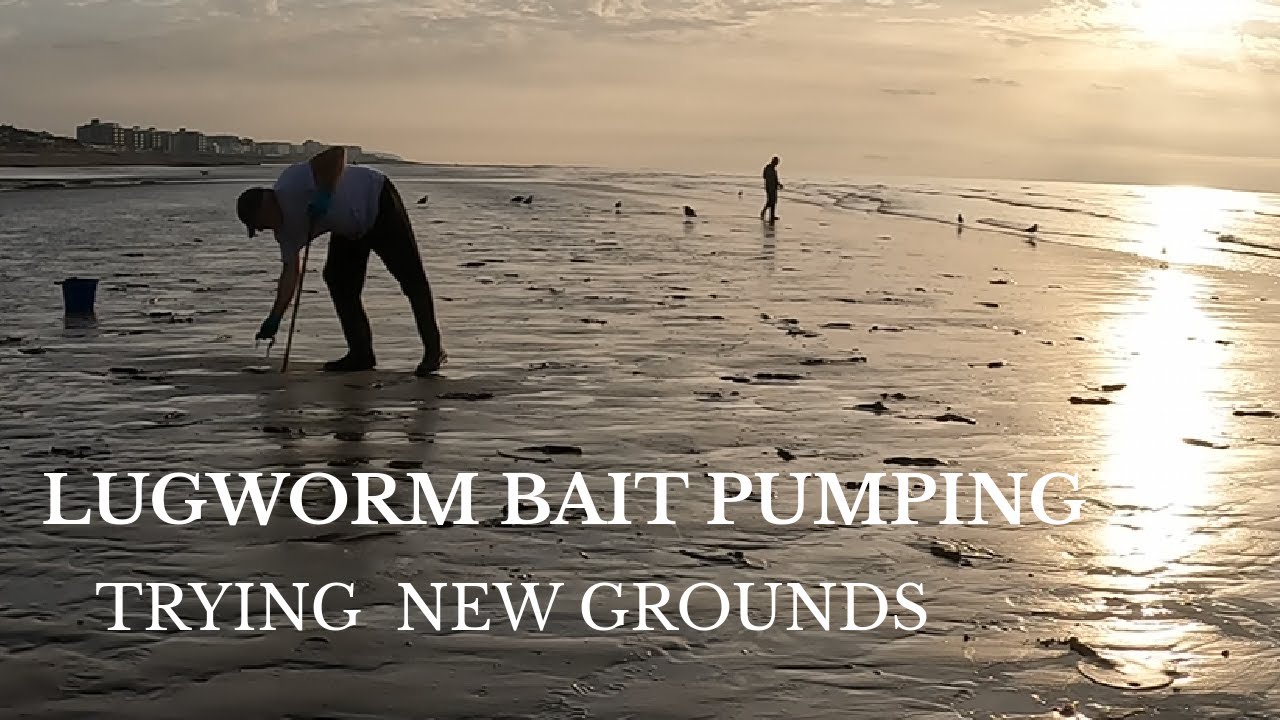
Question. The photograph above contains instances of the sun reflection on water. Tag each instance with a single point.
(1166, 352)
(1182, 224)
(1158, 480)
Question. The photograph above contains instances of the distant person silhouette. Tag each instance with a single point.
(771, 188)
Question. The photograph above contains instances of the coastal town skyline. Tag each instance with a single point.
(185, 140)
(124, 140)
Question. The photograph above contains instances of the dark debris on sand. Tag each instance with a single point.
(348, 462)
(1076, 400)
(283, 430)
(459, 395)
(523, 458)
(731, 557)
(1076, 645)
(552, 449)
(915, 461)
(77, 452)
(788, 377)
(1205, 444)
(854, 360)
(877, 407)
(962, 553)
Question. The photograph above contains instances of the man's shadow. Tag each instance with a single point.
(344, 424)
(341, 425)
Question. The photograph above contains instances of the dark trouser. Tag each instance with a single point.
(770, 202)
(391, 237)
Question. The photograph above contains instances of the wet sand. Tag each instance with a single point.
(640, 339)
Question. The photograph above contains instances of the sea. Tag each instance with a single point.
(1229, 229)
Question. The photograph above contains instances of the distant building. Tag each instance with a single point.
(226, 144)
(17, 138)
(100, 133)
(133, 139)
(158, 141)
(189, 142)
(312, 147)
(274, 149)
(146, 140)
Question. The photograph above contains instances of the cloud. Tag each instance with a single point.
(997, 81)
(696, 84)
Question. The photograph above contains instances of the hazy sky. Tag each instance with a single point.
(1153, 90)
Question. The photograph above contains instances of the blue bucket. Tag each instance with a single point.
(78, 295)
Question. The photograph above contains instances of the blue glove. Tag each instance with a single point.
(269, 328)
(319, 206)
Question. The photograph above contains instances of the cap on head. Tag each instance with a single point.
(775, 160)
(248, 207)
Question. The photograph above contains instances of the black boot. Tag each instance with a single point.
(351, 363)
(431, 365)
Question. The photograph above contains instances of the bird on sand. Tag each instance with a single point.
(422, 200)
(689, 213)
(528, 200)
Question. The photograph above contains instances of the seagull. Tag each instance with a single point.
(528, 200)
(1034, 228)
(689, 213)
(422, 200)
(518, 198)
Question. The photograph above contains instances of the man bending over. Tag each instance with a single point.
(361, 210)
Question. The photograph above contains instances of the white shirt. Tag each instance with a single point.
(351, 214)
